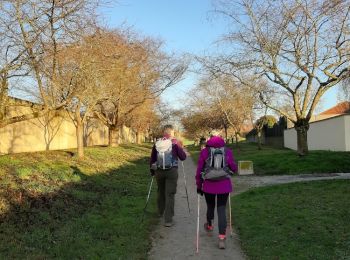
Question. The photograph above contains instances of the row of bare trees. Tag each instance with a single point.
(222, 103)
(218, 102)
(288, 52)
(55, 53)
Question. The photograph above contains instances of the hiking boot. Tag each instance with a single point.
(168, 224)
(208, 228)
(222, 239)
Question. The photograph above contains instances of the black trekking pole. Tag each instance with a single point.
(148, 196)
(188, 203)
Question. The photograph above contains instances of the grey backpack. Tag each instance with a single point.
(215, 166)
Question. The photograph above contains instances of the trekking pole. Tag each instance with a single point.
(230, 213)
(197, 244)
(188, 203)
(148, 195)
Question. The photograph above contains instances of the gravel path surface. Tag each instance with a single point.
(179, 241)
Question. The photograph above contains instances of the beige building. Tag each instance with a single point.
(329, 130)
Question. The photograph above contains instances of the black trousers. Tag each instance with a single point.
(221, 209)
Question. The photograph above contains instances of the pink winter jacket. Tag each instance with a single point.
(215, 187)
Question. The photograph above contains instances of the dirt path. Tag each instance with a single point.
(179, 241)
(243, 183)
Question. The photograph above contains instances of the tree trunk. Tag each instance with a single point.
(80, 137)
(236, 136)
(3, 98)
(302, 126)
(138, 137)
(47, 146)
(226, 134)
(113, 136)
(259, 140)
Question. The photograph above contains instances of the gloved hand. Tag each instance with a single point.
(152, 172)
(231, 173)
(200, 192)
(154, 166)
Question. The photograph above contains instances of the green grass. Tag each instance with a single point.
(274, 161)
(187, 142)
(194, 150)
(295, 221)
(53, 205)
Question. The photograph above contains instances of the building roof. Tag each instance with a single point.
(339, 109)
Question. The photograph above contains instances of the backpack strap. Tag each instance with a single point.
(223, 149)
(173, 158)
(223, 152)
(211, 156)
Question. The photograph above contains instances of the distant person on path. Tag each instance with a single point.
(202, 142)
(215, 166)
(164, 166)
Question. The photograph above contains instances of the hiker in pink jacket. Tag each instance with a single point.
(219, 188)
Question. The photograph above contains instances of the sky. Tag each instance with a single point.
(186, 26)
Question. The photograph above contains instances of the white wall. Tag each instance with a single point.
(347, 132)
(330, 134)
(290, 138)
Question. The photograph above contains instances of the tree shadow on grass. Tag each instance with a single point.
(97, 217)
(145, 146)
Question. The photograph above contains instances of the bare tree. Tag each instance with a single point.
(264, 121)
(202, 114)
(300, 47)
(140, 71)
(198, 124)
(162, 116)
(140, 118)
(80, 74)
(127, 59)
(344, 91)
(51, 124)
(236, 104)
(11, 65)
(233, 100)
(34, 33)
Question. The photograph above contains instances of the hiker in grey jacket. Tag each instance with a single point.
(164, 166)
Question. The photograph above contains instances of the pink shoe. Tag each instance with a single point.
(208, 228)
(222, 239)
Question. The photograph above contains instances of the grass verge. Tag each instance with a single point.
(274, 161)
(53, 205)
(295, 221)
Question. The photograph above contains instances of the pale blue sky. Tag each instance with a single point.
(186, 26)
